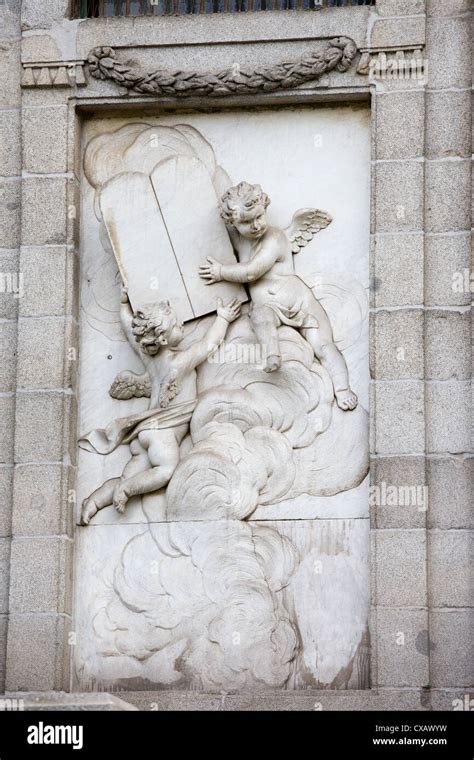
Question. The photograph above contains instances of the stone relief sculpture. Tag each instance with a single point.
(154, 436)
(337, 54)
(220, 439)
(278, 295)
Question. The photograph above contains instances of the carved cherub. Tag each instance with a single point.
(278, 295)
(154, 436)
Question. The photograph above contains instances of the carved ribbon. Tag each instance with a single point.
(337, 54)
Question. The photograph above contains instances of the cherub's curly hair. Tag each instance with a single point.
(151, 322)
(242, 196)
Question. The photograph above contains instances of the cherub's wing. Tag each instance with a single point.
(305, 224)
(130, 385)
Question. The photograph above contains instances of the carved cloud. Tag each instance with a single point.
(258, 439)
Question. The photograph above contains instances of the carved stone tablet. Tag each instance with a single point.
(141, 244)
(189, 206)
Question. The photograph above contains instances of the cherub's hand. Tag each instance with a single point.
(210, 272)
(231, 311)
(120, 498)
(124, 294)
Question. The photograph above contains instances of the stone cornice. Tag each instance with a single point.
(53, 74)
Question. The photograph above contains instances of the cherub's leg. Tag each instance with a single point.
(163, 455)
(98, 499)
(104, 495)
(321, 340)
(265, 324)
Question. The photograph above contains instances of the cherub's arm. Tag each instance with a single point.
(202, 349)
(252, 270)
(126, 315)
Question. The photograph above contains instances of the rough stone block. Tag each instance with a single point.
(450, 556)
(399, 492)
(448, 50)
(450, 488)
(452, 664)
(448, 270)
(400, 7)
(448, 196)
(43, 15)
(43, 47)
(10, 143)
(305, 700)
(44, 136)
(398, 31)
(3, 649)
(41, 503)
(10, 19)
(398, 344)
(6, 492)
(398, 270)
(10, 210)
(7, 416)
(448, 7)
(7, 356)
(448, 418)
(372, 412)
(40, 574)
(399, 189)
(37, 652)
(448, 131)
(402, 648)
(399, 409)
(44, 211)
(400, 125)
(401, 568)
(39, 427)
(54, 266)
(36, 97)
(44, 345)
(4, 573)
(10, 74)
(447, 345)
(452, 699)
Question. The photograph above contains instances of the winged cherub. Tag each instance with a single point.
(154, 436)
(278, 295)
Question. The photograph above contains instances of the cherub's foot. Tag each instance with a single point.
(120, 499)
(273, 363)
(346, 399)
(89, 509)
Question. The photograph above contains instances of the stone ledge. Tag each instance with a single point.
(387, 699)
(52, 701)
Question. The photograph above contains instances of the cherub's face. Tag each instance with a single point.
(252, 224)
(154, 339)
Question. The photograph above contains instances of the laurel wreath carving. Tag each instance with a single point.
(337, 54)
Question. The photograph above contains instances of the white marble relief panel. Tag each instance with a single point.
(229, 323)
